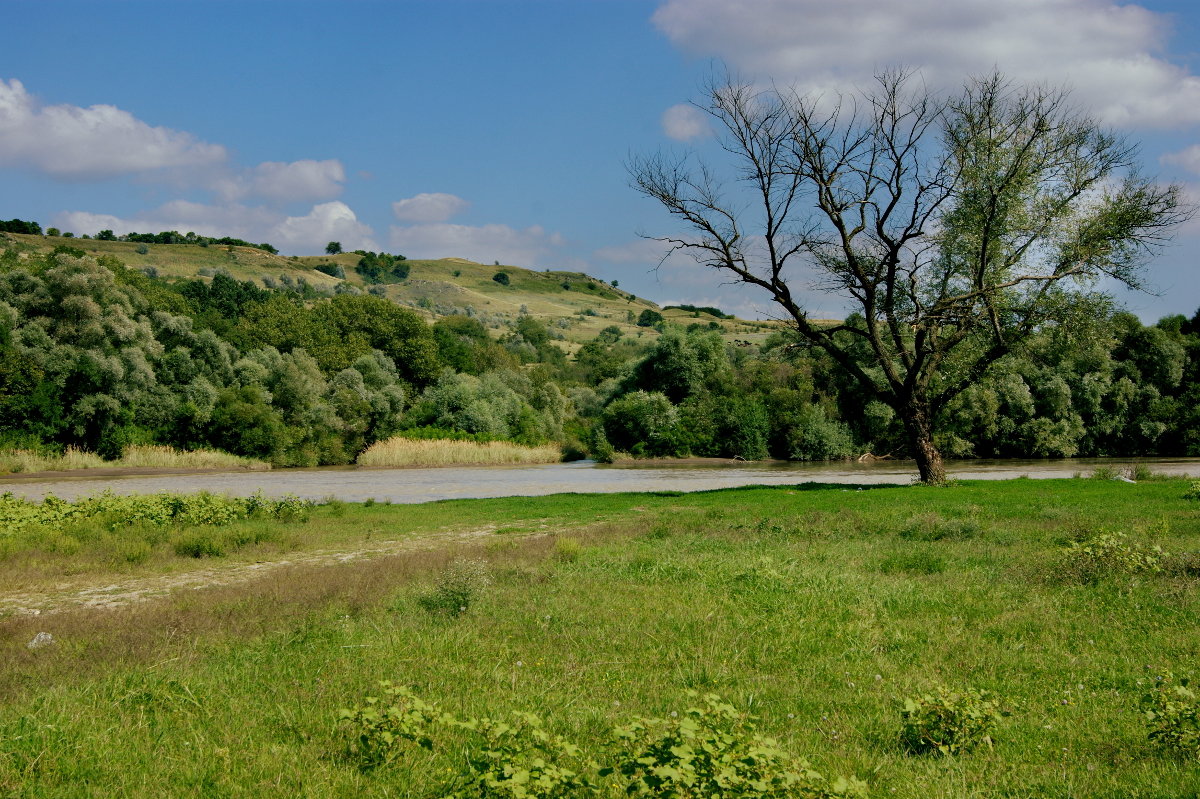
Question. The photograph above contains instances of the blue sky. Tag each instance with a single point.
(498, 130)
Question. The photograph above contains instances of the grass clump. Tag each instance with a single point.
(1193, 491)
(401, 451)
(1171, 710)
(948, 722)
(459, 584)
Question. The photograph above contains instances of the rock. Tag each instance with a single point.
(41, 640)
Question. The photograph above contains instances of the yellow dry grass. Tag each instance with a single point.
(442, 452)
(135, 457)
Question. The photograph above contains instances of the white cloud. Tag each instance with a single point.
(298, 180)
(684, 122)
(1188, 159)
(1112, 55)
(427, 208)
(74, 143)
(295, 181)
(333, 221)
(531, 247)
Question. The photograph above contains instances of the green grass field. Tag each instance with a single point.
(817, 609)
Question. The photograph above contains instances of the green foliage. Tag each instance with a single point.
(382, 267)
(501, 278)
(458, 586)
(333, 270)
(378, 729)
(518, 759)
(17, 513)
(20, 226)
(333, 248)
(1108, 555)
(1171, 710)
(948, 722)
(1193, 491)
(649, 318)
(714, 751)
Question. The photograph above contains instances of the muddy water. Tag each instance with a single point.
(426, 485)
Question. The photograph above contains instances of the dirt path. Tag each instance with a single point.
(84, 593)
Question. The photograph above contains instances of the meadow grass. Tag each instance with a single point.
(133, 457)
(400, 451)
(815, 608)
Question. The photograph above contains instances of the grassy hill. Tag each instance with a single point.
(572, 304)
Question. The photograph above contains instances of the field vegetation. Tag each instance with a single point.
(1028, 638)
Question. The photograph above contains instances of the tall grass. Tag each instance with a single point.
(407, 452)
(18, 461)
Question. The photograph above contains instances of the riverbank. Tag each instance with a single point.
(418, 485)
(816, 608)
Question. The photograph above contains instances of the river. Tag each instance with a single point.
(352, 484)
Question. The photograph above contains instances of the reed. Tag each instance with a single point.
(19, 461)
(154, 457)
(400, 451)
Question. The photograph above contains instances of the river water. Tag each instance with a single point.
(352, 484)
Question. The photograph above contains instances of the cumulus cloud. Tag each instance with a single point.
(684, 122)
(531, 247)
(332, 221)
(101, 141)
(427, 208)
(1112, 55)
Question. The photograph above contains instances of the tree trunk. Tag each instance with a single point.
(920, 438)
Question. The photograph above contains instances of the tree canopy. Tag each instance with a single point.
(956, 227)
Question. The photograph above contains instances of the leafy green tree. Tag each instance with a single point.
(333, 248)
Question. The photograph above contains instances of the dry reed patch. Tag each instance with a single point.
(153, 457)
(21, 461)
(441, 452)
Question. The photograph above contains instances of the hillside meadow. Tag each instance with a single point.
(817, 609)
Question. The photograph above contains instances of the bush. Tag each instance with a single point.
(947, 722)
(501, 278)
(1193, 491)
(649, 318)
(713, 751)
(1108, 555)
(457, 587)
(378, 729)
(519, 759)
(1171, 710)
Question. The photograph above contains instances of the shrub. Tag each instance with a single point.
(519, 759)
(501, 278)
(378, 729)
(713, 751)
(457, 587)
(1107, 555)
(1193, 491)
(142, 249)
(948, 722)
(1171, 710)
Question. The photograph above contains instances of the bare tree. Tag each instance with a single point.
(956, 227)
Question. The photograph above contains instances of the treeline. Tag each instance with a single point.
(165, 237)
(100, 356)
